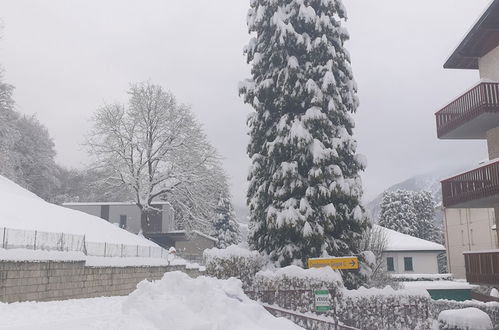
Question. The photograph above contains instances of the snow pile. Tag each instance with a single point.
(494, 293)
(464, 319)
(21, 209)
(180, 302)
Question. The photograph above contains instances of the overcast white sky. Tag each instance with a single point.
(66, 57)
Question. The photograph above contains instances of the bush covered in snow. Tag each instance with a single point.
(464, 319)
(490, 308)
(385, 308)
(292, 287)
(234, 261)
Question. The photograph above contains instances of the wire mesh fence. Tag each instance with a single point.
(49, 241)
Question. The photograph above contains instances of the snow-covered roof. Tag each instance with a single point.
(396, 241)
(21, 209)
(438, 285)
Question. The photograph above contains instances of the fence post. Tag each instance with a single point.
(62, 241)
(105, 245)
(4, 236)
(149, 252)
(122, 250)
(84, 245)
(162, 252)
(137, 250)
(34, 244)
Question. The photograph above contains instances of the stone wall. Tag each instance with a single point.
(58, 280)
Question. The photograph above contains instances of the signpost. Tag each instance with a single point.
(334, 263)
(322, 301)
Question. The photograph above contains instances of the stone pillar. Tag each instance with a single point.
(493, 142)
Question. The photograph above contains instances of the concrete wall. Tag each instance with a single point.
(489, 65)
(51, 280)
(467, 230)
(493, 142)
(422, 262)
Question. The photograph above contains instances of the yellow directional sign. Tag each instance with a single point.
(334, 263)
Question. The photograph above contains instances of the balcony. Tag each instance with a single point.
(482, 267)
(478, 188)
(471, 115)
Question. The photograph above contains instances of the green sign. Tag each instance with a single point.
(322, 301)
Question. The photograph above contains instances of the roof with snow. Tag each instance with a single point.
(481, 39)
(396, 241)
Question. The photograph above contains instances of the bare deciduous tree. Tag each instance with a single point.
(154, 146)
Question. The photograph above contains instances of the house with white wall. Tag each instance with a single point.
(408, 254)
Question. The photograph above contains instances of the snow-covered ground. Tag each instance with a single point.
(175, 302)
(22, 209)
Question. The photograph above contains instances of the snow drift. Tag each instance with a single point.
(181, 302)
(21, 209)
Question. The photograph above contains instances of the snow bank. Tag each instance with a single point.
(180, 302)
(465, 319)
(21, 209)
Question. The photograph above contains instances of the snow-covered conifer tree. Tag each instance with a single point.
(225, 226)
(424, 208)
(397, 212)
(305, 190)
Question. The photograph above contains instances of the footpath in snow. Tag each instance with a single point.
(175, 302)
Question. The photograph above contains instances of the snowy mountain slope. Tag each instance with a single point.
(21, 209)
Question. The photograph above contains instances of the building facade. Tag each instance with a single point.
(471, 199)
(127, 215)
(159, 228)
(405, 254)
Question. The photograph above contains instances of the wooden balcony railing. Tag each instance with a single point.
(479, 183)
(482, 267)
(480, 99)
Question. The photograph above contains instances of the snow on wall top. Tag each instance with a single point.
(396, 241)
(21, 209)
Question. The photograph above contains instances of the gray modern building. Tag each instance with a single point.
(160, 228)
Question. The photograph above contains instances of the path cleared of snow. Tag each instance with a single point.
(175, 302)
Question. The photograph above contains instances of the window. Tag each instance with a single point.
(123, 221)
(408, 264)
(389, 264)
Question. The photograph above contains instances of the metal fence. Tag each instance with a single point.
(49, 241)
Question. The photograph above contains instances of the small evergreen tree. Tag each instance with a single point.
(225, 226)
(305, 189)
